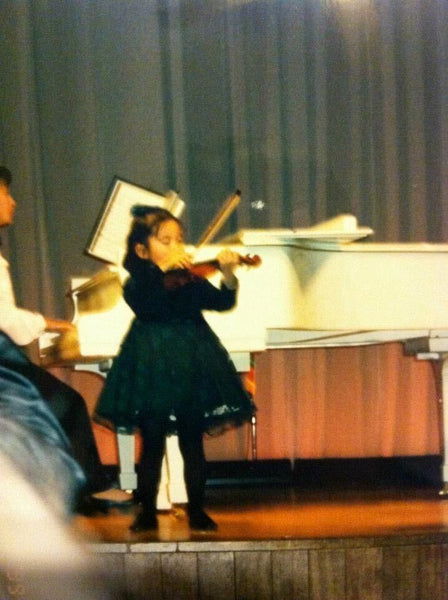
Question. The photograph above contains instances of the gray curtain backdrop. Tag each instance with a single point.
(311, 107)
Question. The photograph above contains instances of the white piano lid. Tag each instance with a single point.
(108, 239)
(340, 229)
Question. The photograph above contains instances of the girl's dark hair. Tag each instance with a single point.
(147, 221)
(5, 175)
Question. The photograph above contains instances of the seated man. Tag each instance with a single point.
(19, 327)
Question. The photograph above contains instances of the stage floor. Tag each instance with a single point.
(281, 542)
(249, 513)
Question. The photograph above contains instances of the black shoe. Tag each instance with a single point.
(200, 521)
(89, 506)
(145, 521)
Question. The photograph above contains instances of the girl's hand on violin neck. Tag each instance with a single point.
(176, 258)
(228, 261)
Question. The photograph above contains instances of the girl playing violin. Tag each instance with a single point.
(172, 374)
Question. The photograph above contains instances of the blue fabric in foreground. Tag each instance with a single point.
(32, 439)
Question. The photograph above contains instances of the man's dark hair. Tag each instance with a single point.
(5, 175)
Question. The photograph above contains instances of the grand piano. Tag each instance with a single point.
(322, 286)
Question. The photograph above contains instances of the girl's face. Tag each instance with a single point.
(168, 240)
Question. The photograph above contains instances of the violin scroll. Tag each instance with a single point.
(250, 261)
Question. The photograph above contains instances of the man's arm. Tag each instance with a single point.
(21, 325)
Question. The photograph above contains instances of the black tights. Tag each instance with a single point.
(154, 431)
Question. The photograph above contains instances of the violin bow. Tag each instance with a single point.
(221, 217)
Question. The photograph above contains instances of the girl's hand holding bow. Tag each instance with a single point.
(177, 258)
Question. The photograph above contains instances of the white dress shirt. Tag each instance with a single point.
(21, 325)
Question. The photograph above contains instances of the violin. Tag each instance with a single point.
(176, 278)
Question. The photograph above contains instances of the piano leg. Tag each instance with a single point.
(444, 428)
(253, 437)
(126, 459)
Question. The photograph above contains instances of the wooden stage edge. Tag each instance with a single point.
(278, 540)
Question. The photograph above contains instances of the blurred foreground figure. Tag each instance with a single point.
(34, 442)
(40, 555)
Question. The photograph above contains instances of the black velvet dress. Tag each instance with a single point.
(171, 363)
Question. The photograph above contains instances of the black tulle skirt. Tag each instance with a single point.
(171, 369)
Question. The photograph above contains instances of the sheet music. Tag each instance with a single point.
(108, 241)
